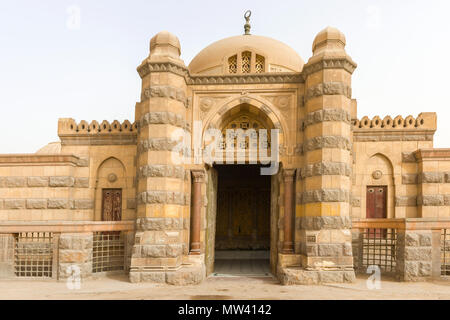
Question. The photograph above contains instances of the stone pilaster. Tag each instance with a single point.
(323, 208)
(288, 225)
(415, 255)
(163, 190)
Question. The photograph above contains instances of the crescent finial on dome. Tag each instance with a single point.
(247, 25)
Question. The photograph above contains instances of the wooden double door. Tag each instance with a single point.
(376, 202)
(243, 209)
(112, 205)
(376, 208)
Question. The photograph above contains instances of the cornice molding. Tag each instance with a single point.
(330, 63)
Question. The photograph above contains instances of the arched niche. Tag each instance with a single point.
(111, 174)
(379, 172)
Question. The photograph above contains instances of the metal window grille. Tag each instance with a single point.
(33, 254)
(259, 65)
(246, 61)
(108, 252)
(232, 64)
(379, 248)
(445, 252)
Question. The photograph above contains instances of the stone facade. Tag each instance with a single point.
(327, 159)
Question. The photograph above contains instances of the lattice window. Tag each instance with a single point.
(245, 123)
(379, 248)
(232, 64)
(445, 252)
(259, 64)
(33, 255)
(108, 252)
(246, 61)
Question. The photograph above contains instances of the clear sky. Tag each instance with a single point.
(54, 64)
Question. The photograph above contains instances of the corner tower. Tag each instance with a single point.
(162, 193)
(322, 210)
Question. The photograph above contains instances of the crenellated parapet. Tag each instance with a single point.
(421, 128)
(95, 133)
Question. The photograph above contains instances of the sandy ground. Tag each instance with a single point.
(118, 287)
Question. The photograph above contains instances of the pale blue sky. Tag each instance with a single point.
(48, 70)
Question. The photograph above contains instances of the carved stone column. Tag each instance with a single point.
(288, 243)
(198, 177)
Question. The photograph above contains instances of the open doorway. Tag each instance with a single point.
(242, 240)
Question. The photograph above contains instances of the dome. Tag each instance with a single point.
(51, 148)
(329, 36)
(165, 43)
(276, 56)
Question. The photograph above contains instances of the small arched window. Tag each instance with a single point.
(232, 64)
(259, 64)
(246, 61)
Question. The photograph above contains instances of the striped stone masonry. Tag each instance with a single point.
(328, 114)
(405, 201)
(325, 168)
(434, 177)
(408, 157)
(161, 224)
(20, 204)
(164, 117)
(434, 200)
(163, 171)
(329, 88)
(157, 144)
(164, 91)
(320, 223)
(164, 197)
(322, 142)
(39, 182)
(323, 195)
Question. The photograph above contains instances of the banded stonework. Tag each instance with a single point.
(162, 118)
(329, 88)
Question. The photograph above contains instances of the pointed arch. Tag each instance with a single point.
(265, 107)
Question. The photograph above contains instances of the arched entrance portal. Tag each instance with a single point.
(242, 214)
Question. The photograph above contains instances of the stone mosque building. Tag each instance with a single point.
(348, 193)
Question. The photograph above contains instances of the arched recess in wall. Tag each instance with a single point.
(379, 172)
(111, 174)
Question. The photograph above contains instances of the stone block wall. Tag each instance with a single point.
(415, 255)
(157, 248)
(75, 253)
(45, 187)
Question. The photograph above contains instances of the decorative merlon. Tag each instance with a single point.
(426, 120)
(72, 133)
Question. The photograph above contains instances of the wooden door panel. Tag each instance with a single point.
(112, 205)
(243, 219)
(376, 203)
(376, 206)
